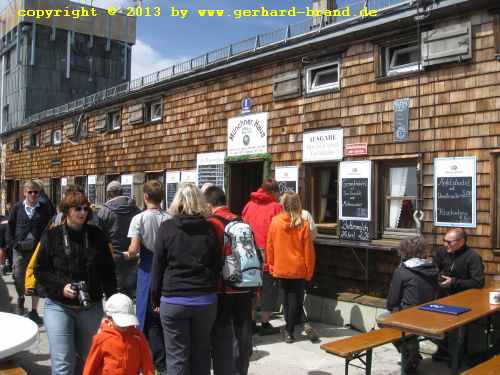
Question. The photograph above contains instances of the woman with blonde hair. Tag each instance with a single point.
(291, 258)
(186, 268)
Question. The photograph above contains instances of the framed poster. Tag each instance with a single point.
(127, 182)
(188, 176)
(172, 180)
(247, 135)
(210, 168)
(287, 178)
(455, 192)
(355, 190)
(323, 145)
(91, 188)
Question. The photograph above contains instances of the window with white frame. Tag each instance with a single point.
(401, 59)
(400, 197)
(154, 110)
(57, 137)
(322, 77)
(114, 120)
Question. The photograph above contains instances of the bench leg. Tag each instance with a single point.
(456, 345)
(347, 366)
(368, 365)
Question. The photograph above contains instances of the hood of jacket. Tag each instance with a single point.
(283, 221)
(122, 205)
(189, 222)
(262, 197)
(422, 266)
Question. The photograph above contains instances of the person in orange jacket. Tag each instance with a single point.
(119, 348)
(291, 258)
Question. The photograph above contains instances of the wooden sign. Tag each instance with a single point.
(455, 192)
(355, 190)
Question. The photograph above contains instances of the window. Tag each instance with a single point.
(35, 139)
(154, 110)
(55, 191)
(6, 114)
(324, 195)
(7, 62)
(400, 197)
(114, 120)
(17, 145)
(80, 127)
(401, 59)
(322, 77)
(57, 137)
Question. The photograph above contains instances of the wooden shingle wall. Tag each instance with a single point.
(459, 108)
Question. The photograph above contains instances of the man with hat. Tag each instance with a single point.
(115, 217)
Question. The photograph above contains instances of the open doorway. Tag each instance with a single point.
(244, 178)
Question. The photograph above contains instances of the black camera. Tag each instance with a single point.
(81, 289)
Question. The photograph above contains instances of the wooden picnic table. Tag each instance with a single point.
(438, 325)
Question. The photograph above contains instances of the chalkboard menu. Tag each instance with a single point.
(210, 168)
(355, 190)
(91, 189)
(287, 178)
(355, 230)
(401, 119)
(455, 192)
(172, 180)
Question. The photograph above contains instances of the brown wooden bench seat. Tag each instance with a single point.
(490, 367)
(11, 368)
(359, 346)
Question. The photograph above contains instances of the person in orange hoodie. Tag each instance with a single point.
(291, 258)
(119, 348)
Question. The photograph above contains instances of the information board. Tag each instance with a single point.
(401, 119)
(355, 230)
(127, 180)
(287, 179)
(188, 176)
(210, 168)
(172, 180)
(91, 189)
(455, 192)
(355, 190)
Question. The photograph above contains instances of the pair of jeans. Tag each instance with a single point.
(232, 344)
(293, 302)
(187, 337)
(70, 334)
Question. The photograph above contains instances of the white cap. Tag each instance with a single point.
(121, 309)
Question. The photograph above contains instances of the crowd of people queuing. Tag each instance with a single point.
(187, 318)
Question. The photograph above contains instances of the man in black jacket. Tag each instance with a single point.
(460, 267)
(115, 217)
(27, 221)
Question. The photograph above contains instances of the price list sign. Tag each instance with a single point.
(455, 192)
(91, 189)
(354, 190)
(172, 180)
(287, 179)
(127, 181)
(210, 168)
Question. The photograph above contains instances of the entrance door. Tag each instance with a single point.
(55, 190)
(244, 179)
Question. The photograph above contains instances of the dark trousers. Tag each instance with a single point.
(187, 337)
(232, 334)
(21, 260)
(126, 276)
(154, 333)
(293, 302)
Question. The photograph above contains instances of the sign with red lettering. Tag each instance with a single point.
(356, 149)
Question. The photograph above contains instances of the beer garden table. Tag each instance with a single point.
(438, 325)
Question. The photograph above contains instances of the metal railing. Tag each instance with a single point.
(299, 30)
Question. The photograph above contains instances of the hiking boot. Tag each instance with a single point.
(412, 365)
(267, 329)
(33, 315)
(311, 334)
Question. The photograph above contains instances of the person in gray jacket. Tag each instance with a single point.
(115, 217)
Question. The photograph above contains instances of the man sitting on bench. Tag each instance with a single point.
(414, 282)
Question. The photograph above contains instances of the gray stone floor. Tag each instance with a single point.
(271, 355)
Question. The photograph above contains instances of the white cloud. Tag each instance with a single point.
(145, 60)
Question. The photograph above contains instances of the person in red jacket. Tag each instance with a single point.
(291, 258)
(258, 213)
(119, 348)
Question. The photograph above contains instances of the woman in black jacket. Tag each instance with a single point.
(74, 267)
(186, 267)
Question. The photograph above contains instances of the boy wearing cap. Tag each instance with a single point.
(119, 348)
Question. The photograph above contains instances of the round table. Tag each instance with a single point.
(16, 334)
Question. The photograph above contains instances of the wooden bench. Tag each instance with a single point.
(359, 346)
(11, 368)
(490, 367)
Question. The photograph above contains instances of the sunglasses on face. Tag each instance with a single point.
(80, 208)
(449, 242)
(32, 192)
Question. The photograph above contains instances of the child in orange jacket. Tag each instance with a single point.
(119, 348)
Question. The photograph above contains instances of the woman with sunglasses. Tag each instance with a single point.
(74, 267)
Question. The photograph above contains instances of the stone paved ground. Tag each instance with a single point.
(271, 355)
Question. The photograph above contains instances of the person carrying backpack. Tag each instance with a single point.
(232, 330)
(291, 258)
